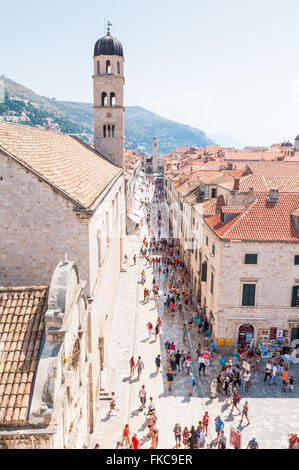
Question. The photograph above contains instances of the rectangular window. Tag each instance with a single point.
(250, 258)
(207, 241)
(212, 283)
(295, 297)
(248, 296)
(214, 193)
(204, 268)
(296, 260)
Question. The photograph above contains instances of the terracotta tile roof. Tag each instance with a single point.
(63, 160)
(232, 209)
(251, 156)
(265, 183)
(22, 311)
(262, 220)
(283, 168)
(212, 206)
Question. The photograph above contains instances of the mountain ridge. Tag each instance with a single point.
(22, 105)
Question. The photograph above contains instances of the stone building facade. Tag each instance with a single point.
(73, 206)
(47, 398)
(249, 268)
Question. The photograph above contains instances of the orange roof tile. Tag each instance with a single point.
(283, 168)
(20, 360)
(64, 161)
(262, 220)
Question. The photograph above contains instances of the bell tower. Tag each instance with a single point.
(108, 98)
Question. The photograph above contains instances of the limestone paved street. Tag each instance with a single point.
(273, 414)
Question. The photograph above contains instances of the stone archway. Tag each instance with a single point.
(245, 333)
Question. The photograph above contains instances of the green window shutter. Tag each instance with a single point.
(248, 297)
(296, 260)
(204, 268)
(294, 296)
(250, 258)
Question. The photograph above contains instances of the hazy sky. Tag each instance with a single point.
(229, 66)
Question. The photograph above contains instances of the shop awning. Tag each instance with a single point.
(134, 217)
(137, 212)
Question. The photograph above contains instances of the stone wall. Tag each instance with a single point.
(274, 276)
(38, 227)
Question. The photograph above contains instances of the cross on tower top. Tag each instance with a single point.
(108, 27)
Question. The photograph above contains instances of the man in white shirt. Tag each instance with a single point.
(246, 378)
(274, 375)
(202, 365)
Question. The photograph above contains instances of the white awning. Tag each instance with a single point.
(137, 198)
(137, 212)
(136, 205)
(134, 217)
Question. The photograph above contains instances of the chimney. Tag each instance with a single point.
(273, 195)
(236, 184)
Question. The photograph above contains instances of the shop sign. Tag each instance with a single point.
(273, 333)
(235, 438)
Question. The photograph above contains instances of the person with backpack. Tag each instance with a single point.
(236, 400)
(150, 329)
(140, 366)
(222, 440)
(191, 383)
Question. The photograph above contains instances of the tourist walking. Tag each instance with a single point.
(132, 367)
(126, 436)
(169, 377)
(158, 363)
(140, 366)
(177, 430)
(186, 437)
(268, 369)
(245, 412)
(205, 422)
(191, 383)
(219, 425)
(142, 397)
(253, 444)
(113, 404)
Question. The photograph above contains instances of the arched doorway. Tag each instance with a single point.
(246, 333)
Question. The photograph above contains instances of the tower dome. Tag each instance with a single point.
(108, 45)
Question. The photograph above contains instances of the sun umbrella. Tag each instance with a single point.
(206, 355)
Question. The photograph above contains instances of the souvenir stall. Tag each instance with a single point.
(272, 341)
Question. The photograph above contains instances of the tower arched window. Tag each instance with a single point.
(104, 99)
(108, 66)
(104, 131)
(108, 130)
(112, 131)
(112, 99)
(118, 68)
(98, 66)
